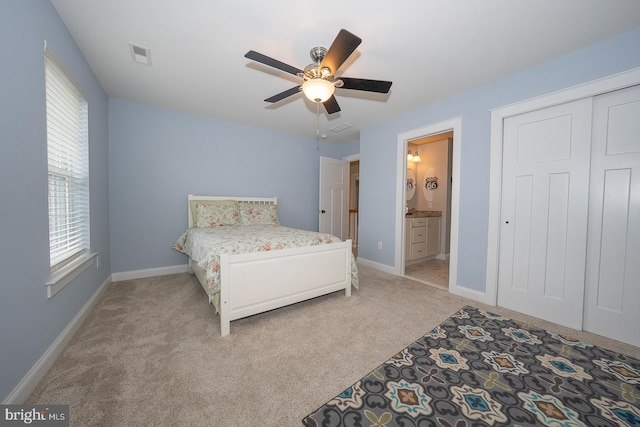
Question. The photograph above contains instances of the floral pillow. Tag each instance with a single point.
(216, 215)
(252, 214)
(193, 206)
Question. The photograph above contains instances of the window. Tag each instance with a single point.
(68, 165)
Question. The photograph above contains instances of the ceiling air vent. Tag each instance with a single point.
(141, 55)
(340, 128)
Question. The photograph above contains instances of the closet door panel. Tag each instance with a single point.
(612, 294)
(545, 187)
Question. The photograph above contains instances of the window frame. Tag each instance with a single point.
(68, 176)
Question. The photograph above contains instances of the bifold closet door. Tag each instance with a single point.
(612, 299)
(545, 189)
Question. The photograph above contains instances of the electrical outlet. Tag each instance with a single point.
(379, 245)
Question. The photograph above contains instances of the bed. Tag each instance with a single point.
(248, 264)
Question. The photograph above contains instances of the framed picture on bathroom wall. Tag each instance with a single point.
(430, 184)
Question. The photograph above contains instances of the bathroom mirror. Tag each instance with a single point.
(411, 184)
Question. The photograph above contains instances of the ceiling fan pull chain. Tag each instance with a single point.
(317, 120)
(317, 126)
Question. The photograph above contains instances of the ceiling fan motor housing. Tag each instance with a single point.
(313, 70)
(317, 54)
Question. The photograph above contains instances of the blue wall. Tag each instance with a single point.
(378, 158)
(157, 157)
(29, 322)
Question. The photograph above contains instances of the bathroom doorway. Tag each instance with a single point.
(428, 209)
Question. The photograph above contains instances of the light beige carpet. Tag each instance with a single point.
(150, 353)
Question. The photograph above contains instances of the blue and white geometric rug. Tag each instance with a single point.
(481, 369)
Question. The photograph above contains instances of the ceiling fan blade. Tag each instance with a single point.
(380, 86)
(331, 105)
(342, 47)
(264, 59)
(282, 95)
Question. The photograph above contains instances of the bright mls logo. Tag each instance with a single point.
(36, 415)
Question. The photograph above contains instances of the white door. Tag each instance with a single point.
(613, 257)
(333, 215)
(545, 184)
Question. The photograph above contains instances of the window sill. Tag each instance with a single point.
(62, 278)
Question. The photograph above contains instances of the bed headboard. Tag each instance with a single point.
(238, 199)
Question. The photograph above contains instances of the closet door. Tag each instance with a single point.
(613, 263)
(545, 188)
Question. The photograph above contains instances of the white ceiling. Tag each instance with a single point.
(429, 49)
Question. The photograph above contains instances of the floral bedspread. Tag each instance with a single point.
(204, 245)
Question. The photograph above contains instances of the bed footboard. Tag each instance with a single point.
(257, 282)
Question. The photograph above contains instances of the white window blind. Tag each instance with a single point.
(68, 164)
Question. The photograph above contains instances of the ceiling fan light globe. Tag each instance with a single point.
(318, 90)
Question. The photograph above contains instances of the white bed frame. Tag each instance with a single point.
(256, 282)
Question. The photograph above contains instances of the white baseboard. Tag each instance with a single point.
(469, 293)
(149, 272)
(443, 257)
(377, 266)
(37, 371)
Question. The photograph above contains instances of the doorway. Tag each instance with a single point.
(403, 250)
(428, 196)
(334, 197)
(339, 198)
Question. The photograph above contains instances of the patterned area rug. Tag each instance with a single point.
(481, 369)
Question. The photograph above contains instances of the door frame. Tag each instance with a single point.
(350, 159)
(455, 125)
(574, 93)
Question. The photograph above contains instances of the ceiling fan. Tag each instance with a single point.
(319, 77)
